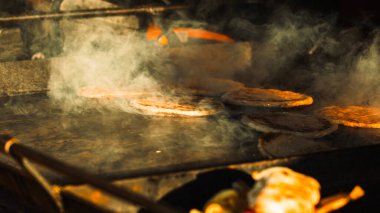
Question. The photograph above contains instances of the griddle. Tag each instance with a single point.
(117, 144)
(159, 154)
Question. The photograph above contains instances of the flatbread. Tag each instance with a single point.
(290, 123)
(353, 116)
(258, 97)
(283, 145)
(187, 106)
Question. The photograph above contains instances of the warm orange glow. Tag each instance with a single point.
(280, 189)
(98, 197)
(174, 106)
(203, 34)
(163, 40)
(227, 200)
(357, 193)
(153, 32)
(266, 98)
(194, 211)
(338, 201)
(353, 116)
(214, 208)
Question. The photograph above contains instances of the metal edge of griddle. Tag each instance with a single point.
(331, 169)
(362, 153)
(356, 163)
(33, 198)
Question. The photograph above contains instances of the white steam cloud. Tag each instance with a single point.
(287, 36)
(99, 54)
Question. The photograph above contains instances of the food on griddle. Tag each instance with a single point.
(281, 189)
(258, 97)
(290, 123)
(353, 116)
(210, 86)
(284, 145)
(190, 106)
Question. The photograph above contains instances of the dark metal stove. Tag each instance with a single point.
(154, 155)
(166, 158)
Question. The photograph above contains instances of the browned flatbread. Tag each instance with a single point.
(186, 106)
(283, 145)
(353, 116)
(290, 123)
(266, 98)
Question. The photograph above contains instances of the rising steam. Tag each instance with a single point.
(98, 54)
(343, 67)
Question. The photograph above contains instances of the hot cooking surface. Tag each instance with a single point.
(119, 144)
(116, 144)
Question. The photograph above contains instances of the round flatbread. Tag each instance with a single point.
(258, 97)
(353, 116)
(283, 145)
(186, 106)
(290, 123)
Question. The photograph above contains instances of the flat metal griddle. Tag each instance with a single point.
(118, 145)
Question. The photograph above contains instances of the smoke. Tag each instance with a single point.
(343, 70)
(313, 54)
(361, 86)
(285, 39)
(104, 54)
(99, 54)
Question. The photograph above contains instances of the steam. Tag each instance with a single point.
(351, 77)
(343, 70)
(343, 67)
(100, 55)
(288, 36)
(363, 83)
